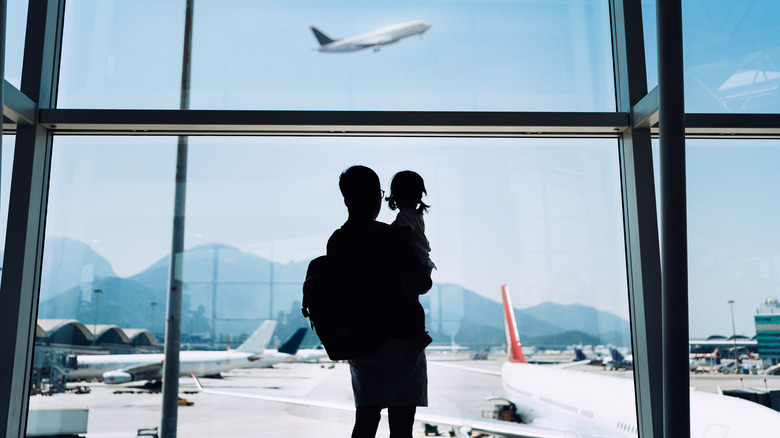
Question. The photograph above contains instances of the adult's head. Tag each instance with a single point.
(361, 190)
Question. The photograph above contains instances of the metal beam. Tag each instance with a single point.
(391, 123)
(645, 113)
(379, 123)
(674, 233)
(639, 215)
(26, 218)
(17, 107)
(732, 125)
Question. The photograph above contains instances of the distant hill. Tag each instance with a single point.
(478, 321)
(235, 291)
(563, 339)
(68, 263)
(576, 317)
(123, 302)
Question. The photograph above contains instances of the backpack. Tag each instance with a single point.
(333, 305)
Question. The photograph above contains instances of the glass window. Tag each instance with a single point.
(650, 29)
(6, 166)
(118, 54)
(732, 237)
(16, 26)
(543, 216)
(476, 55)
(731, 55)
(733, 259)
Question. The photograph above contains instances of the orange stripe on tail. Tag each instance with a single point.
(513, 347)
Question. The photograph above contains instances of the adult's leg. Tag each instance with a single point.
(401, 419)
(366, 421)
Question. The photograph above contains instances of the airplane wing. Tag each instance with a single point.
(498, 373)
(465, 368)
(461, 426)
(571, 364)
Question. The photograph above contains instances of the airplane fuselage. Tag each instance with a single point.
(202, 363)
(380, 37)
(603, 406)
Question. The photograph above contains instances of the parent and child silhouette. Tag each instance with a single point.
(392, 263)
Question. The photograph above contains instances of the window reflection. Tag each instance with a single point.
(731, 55)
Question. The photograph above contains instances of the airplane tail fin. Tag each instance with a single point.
(616, 356)
(257, 341)
(579, 355)
(513, 347)
(291, 345)
(321, 37)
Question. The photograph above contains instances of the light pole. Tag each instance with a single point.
(192, 316)
(734, 334)
(97, 293)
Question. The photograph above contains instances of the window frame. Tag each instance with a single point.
(30, 114)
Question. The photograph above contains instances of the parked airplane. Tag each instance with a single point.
(121, 368)
(619, 362)
(555, 402)
(375, 39)
(310, 355)
(579, 356)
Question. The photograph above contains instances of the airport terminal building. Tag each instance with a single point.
(768, 331)
(172, 167)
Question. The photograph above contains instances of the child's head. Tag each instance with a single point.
(406, 191)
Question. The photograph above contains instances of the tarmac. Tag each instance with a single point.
(119, 411)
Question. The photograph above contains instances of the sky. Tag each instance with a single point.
(543, 216)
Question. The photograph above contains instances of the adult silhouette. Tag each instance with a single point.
(375, 257)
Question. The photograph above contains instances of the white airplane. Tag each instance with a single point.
(303, 355)
(552, 401)
(122, 368)
(310, 355)
(375, 39)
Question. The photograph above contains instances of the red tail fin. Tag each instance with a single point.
(513, 347)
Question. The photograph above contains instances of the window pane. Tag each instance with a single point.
(118, 54)
(731, 55)
(6, 166)
(16, 26)
(733, 268)
(542, 216)
(649, 26)
(478, 55)
(733, 237)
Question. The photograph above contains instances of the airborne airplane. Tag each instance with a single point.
(375, 39)
(122, 368)
(556, 402)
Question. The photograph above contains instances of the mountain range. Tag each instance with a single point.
(228, 293)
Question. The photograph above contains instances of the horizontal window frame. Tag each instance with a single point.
(381, 123)
(341, 123)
